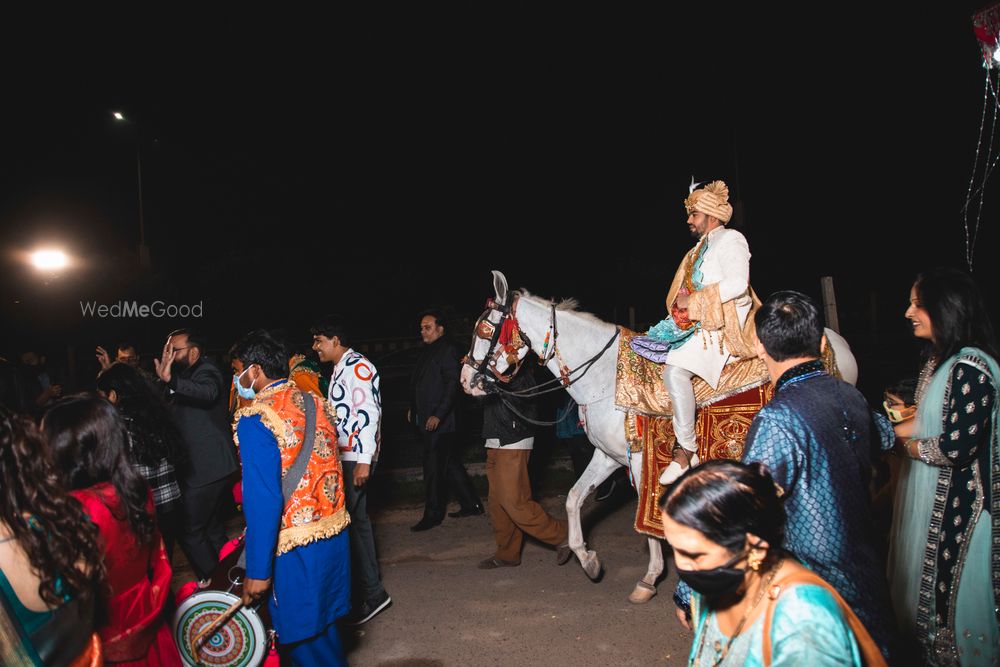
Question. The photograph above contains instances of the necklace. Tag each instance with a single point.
(722, 651)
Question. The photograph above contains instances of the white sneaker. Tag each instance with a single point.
(675, 470)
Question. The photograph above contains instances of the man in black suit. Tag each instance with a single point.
(196, 392)
(433, 392)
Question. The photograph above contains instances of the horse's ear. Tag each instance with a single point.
(500, 287)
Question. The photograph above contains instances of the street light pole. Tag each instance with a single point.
(143, 250)
(144, 259)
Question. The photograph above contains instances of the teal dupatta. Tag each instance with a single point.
(666, 330)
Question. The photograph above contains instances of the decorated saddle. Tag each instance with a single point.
(721, 427)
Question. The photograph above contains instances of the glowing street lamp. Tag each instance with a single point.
(118, 115)
(49, 260)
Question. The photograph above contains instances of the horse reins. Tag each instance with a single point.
(530, 393)
(565, 378)
(586, 366)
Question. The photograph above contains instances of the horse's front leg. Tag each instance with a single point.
(599, 469)
(645, 588)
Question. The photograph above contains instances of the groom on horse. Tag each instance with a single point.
(710, 303)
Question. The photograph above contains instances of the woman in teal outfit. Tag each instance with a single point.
(753, 603)
(945, 531)
(50, 558)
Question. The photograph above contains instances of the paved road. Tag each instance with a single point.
(447, 612)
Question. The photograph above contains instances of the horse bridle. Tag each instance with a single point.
(506, 339)
(494, 332)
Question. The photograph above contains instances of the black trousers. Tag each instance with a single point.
(443, 470)
(169, 519)
(203, 531)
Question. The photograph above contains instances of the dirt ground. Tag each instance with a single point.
(447, 612)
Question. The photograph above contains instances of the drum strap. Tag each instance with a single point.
(294, 475)
(298, 468)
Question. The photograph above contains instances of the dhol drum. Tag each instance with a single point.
(241, 641)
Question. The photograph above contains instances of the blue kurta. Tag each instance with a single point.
(816, 435)
(311, 584)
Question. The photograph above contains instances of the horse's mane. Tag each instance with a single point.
(568, 305)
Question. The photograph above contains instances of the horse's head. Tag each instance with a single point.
(498, 344)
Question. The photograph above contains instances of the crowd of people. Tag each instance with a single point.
(779, 555)
(800, 497)
(118, 476)
(794, 521)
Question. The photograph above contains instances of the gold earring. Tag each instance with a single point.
(754, 560)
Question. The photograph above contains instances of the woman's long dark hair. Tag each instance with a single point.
(958, 314)
(724, 500)
(61, 543)
(90, 445)
(154, 435)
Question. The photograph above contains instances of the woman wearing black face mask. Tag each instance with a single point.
(753, 604)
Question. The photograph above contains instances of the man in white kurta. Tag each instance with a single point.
(709, 302)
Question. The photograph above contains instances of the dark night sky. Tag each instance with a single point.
(376, 165)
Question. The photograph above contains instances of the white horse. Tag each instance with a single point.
(565, 339)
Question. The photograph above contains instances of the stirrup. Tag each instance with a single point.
(675, 469)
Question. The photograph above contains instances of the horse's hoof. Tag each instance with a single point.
(592, 566)
(642, 593)
(563, 554)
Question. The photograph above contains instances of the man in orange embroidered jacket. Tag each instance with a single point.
(297, 553)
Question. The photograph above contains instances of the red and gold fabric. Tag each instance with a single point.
(721, 430)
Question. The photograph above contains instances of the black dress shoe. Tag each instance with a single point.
(475, 510)
(424, 524)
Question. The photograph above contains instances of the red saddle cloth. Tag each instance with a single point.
(721, 429)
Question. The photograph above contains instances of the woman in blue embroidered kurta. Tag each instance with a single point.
(945, 521)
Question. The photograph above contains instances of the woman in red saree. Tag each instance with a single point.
(89, 442)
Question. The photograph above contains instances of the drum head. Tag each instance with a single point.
(241, 642)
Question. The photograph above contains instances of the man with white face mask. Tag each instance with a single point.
(195, 391)
(297, 545)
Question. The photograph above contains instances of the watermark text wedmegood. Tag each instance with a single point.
(136, 309)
